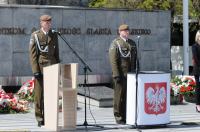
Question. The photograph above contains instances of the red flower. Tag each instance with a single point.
(182, 89)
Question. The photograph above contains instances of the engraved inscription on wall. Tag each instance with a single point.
(12, 30)
(75, 31)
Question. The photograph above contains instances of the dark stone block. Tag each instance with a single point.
(98, 93)
(11, 89)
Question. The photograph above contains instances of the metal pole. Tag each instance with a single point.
(185, 38)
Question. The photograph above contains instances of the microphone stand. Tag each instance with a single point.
(137, 71)
(86, 69)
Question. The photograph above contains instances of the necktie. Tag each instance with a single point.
(46, 38)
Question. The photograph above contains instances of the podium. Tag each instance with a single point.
(60, 79)
(149, 104)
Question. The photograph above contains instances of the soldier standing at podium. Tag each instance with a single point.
(43, 51)
(122, 54)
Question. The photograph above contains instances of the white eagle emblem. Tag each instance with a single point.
(155, 100)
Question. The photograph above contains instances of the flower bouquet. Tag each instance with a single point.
(26, 91)
(175, 96)
(17, 103)
(187, 88)
(10, 104)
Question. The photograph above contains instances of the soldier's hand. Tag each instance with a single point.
(38, 75)
(118, 79)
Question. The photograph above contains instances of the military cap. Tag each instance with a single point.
(45, 18)
(123, 27)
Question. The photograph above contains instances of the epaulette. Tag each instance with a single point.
(113, 44)
(35, 32)
(115, 40)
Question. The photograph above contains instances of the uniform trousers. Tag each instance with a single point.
(39, 99)
(120, 100)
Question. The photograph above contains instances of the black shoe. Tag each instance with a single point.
(40, 123)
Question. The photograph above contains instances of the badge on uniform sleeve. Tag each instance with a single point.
(31, 41)
(112, 46)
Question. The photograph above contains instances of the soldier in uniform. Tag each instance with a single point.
(43, 51)
(122, 54)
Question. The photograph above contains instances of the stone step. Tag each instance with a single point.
(100, 96)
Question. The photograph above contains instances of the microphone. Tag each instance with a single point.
(54, 31)
(138, 37)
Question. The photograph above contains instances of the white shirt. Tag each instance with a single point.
(123, 38)
(44, 32)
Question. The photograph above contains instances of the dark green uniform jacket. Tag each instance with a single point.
(122, 57)
(47, 53)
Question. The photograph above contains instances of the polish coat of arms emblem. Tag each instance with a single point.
(155, 99)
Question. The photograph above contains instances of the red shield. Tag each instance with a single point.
(155, 98)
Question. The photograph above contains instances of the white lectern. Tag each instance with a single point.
(60, 78)
(149, 104)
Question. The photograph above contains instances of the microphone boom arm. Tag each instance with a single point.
(82, 61)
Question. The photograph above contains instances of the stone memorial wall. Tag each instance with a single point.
(88, 31)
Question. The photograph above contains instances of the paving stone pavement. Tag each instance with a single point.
(183, 118)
